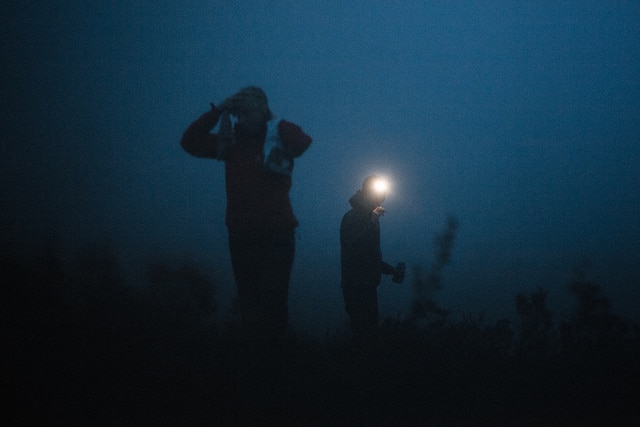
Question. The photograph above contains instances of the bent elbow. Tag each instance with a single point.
(186, 143)
(189, 143)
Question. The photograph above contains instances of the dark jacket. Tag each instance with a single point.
(255, 199)
(360, 255)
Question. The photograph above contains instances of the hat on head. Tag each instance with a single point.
(253, 97)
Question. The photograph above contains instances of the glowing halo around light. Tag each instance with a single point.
(381, 185)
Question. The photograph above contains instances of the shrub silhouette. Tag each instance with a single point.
(593, 330)
(536, 336)
(423, 305)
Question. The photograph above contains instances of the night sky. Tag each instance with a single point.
(521, 119)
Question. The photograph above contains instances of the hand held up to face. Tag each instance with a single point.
(379, 211)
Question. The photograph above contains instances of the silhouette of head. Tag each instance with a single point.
(252, 100)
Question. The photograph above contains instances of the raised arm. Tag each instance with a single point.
(197, 139)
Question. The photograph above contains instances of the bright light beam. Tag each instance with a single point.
(380, 185)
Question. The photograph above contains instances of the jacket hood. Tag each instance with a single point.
(360, 202)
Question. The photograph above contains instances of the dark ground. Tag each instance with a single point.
(81, 348)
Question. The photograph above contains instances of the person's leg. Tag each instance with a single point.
(361, 304)
(243, 251)
(279, 255)
(262, 263)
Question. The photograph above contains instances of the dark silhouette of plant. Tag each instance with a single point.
(536, 337)
(423, 305)
(593, 329)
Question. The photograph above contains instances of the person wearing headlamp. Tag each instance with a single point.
(362, 265)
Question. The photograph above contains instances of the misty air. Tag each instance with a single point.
(353, 213)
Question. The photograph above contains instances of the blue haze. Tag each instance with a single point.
(522, 119)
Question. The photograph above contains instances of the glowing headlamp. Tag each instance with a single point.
(380, 185)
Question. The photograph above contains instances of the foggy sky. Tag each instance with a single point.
(519, 118)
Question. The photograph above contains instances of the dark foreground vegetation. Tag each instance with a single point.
(82, 348)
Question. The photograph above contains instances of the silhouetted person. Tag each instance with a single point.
(361, 259)
(258, 153)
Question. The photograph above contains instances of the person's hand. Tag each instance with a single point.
(379, 211)
(398, 275)
(229, 104)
